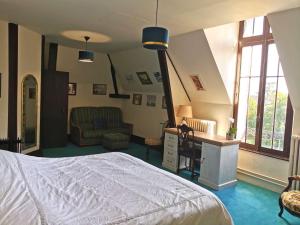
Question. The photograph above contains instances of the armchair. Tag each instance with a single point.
(290, 197)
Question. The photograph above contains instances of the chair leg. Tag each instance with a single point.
(192, 161)
(178, 164)
(281, 208)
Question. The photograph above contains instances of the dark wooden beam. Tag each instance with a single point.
(114, 79)
(176, 71)
(12, 80)
(162, 58)
(52, 56)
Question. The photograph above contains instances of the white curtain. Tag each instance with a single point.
(294, 167)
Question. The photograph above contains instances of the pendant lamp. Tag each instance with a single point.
(85, 55)
(155, 38)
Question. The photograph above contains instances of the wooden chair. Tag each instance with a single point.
(156, 143)
(188, 148)
(290, 197)
(11, 145)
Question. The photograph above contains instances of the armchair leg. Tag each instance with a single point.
(281, 208)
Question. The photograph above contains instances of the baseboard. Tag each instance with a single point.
(261, 180)
(137, 139)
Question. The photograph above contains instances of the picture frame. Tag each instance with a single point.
(197, 82)
(99, 89)
(144, 78)
(151, 100)
(158, 76)
(72, 88)
(163, 102)
(137, 99)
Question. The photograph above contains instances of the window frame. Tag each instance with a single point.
(265, 40)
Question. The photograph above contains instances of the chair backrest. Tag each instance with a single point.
(185, 136)
(11, 145)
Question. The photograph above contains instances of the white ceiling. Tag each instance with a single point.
(123, 20)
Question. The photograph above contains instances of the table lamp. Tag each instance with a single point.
(185, 111)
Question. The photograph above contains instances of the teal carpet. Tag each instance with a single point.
(247, 204)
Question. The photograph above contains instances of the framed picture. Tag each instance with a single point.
(158, 77)
(72, 89)
(137, 99)
(163, 103)
(99, 89)
(151, 100)
(144, 78)
(197, 82)
(31, 93)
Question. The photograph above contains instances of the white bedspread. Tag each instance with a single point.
(110, 188)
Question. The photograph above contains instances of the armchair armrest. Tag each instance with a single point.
(76, 133)
(129, 126)
(291, 179)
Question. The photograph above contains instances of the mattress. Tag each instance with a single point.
(106, 189)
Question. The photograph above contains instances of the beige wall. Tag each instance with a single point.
(29, 62)
(146, 119)
(4, 78)
(85, 75)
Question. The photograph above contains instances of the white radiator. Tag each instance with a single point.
(294, 167)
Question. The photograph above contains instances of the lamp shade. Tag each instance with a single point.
(155, 38)
(86, 56)
(185, 111)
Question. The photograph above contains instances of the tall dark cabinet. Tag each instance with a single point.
(54, 109)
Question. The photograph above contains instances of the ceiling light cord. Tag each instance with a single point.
(156, 13)
(86, 41)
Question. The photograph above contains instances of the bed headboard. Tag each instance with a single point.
(207, 126)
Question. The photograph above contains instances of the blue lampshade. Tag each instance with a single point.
(86, 56)
(155, 38)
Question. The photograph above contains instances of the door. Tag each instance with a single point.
(54, 110)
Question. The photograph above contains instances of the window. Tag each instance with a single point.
(262, 107)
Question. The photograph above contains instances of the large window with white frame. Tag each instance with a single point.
(262, 109)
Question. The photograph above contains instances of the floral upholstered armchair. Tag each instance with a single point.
(290, 197)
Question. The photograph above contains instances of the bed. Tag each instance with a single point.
(110, 188)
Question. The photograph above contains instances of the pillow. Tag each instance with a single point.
(100, 124)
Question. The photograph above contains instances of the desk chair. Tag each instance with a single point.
(188, 148)
(290, 197)
(11, 145)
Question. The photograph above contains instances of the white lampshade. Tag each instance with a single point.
(185, 111)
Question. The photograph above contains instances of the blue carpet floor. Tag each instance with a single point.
(247, 204)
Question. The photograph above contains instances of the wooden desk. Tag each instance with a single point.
(219, 158)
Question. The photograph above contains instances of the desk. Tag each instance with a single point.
(219, 158)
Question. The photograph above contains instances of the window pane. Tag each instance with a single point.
(273, 61)
(256, 60)
(242, 109)
(269, 108)
(258, 26)
(280, 115)
(248, 28)
(246, 61)
(252, 110)
(280, 70)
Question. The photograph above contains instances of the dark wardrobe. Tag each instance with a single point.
(54, 109)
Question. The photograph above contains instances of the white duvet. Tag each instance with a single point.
(110, 188)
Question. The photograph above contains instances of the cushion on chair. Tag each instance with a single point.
(291, 200)
(115, 137)
(100, 123)
(94, 133)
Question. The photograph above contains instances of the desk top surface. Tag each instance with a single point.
(207, 138)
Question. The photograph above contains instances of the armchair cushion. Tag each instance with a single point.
(100, 123)
(291, 200)
(94, 133)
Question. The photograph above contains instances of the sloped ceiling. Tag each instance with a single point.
(191, 55)
(123, 20)
(128, 62)
(286, 30)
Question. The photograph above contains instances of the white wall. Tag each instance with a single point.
(4, 78)
(85, 75)
(29, 62)
(145, 119)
